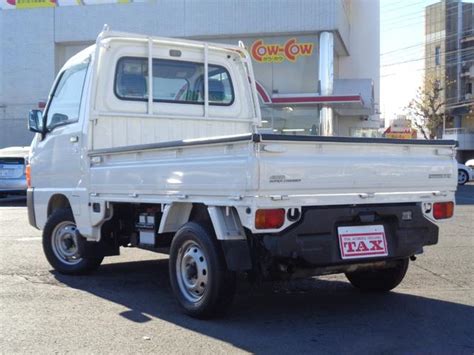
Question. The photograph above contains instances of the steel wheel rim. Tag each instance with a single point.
(64, 243)
(462, 177)
(192, 271)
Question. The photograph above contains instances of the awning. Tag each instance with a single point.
(344, 104)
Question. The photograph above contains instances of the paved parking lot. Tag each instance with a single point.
(127, 306)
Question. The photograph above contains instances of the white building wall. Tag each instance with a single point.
(27, 47)
(364, 57)
(34, 43)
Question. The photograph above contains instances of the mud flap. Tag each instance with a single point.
(97, 249)
(237, 255)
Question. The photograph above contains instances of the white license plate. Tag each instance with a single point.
(362, 242)
(6, 173)
(10, 171)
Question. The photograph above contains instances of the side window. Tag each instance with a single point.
(66, 99)
(220, 86)
(173, 81)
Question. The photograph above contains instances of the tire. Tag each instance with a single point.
(381, 280)
(463, 177)
(201, 282)
(61, 248)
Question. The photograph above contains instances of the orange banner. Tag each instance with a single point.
(276, 53)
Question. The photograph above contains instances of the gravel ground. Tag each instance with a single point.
(127, 306)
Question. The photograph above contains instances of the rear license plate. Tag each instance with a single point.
(362, 242)
(10, 171)
(6, 173)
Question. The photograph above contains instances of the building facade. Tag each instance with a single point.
(316, 62)
(449, 61)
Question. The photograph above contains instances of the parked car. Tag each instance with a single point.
(470, 163)
(12, 170)
(465, 174)
(153, 143)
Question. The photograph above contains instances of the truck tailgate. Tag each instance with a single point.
(330, 166)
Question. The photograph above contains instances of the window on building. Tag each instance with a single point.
(66, 100)
(364, 132)
(173, 81)
(469, 88)
(438, 55)
(290, 120)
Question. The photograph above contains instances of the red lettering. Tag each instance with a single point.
(272, 49)
(270, 52)
(288, 52)
(376, 245)
(306, 48)
(349, 246)
(257, 49)
(362, 247)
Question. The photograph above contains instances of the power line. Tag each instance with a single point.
(422, 11)
(441, 66)
(396, 9)
(410, 21)
(427, 57)
(420, 44)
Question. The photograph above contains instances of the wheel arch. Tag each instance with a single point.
(226, 225)
(225, 220)
(57, 201)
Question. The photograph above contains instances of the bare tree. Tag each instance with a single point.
(426, 110)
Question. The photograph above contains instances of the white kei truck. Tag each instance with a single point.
(154, 143)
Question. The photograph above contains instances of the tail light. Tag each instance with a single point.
(443, 210)
(28, 175)
(269, 219)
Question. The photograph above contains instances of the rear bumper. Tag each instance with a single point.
(30, 203)
(13, 185)
(313, 241)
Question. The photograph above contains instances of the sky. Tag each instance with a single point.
(402, 37)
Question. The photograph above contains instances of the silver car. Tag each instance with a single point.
(465, 174)
(13, 162)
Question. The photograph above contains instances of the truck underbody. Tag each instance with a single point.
(307, 248)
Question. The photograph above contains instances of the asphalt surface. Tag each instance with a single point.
(128, 307)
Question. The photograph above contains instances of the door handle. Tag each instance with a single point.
(74, 139)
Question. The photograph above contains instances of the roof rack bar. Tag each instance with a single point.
(150, 76)
(206, 80)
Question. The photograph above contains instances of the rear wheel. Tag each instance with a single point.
(462, 177)
(379, 280)
(61, 245)
(199, 276)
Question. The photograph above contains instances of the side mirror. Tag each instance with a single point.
(35, 121)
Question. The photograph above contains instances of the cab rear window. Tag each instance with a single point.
(173, 81)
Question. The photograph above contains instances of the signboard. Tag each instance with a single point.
(412, 134)
(290, 50)
(401, 129)
(285, 64)
(282, 64)
(33, 4)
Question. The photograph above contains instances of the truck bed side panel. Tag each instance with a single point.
(331, 168)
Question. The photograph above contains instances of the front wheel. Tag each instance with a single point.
(199, 276)
(462, 177)
(379, 280)
(61, 247)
